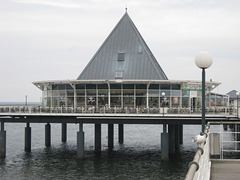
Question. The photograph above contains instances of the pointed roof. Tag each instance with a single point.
(136, 60)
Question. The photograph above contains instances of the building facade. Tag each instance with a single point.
(124, 74)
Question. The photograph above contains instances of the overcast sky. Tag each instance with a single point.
(55, 39)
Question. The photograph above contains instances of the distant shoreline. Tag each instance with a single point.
(18, 103)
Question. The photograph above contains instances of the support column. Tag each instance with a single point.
(120, 133)
(64, 132)
(2, 141)
(28, 138)
(171, 131)
(80, 141)
(177, 137)
(47, 135)
(180, 133)
(164, 144)
(98, 135)
(110, 136)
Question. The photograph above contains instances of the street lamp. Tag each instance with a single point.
(163, 95)
(26, 100)
(203, 60)
(237, 93)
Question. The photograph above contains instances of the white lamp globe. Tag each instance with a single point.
(204, 60)
(163, 93)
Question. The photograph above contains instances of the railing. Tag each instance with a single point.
(199, 168)
(229, 141)
(217, 146)
(117, 110)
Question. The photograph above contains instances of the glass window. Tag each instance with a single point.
(154, 86)
(128, 101)
(165, 86)
(128, 86)
(154, 93)
(141, 86)
(81, 92)
(102, 92)
(80, 86)
(91, 100)
(167, 93)
(91, 92)
(141, 101)
(121, 56)
(119, 74)
(176, 87)
(175, 101)
(115, 86)
(141, 92)
(115, 92)
(54, 87)
(128, 92)
(153, 102)
(61, 87)
(115, 101)
(102, 101)
(102, 86)
(80, 101)
(176, 92)
(68, 86)
(91, 86)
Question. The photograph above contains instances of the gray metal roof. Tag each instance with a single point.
(139, 62)
(232, 94)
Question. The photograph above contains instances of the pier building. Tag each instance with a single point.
(125, 74)
(122, 84)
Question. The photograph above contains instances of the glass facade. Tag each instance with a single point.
(121, 95)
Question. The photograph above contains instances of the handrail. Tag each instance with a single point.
(196, 168)
(116, 110)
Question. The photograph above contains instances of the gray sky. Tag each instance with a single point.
(55, 39)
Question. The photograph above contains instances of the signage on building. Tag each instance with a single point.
(192, 87)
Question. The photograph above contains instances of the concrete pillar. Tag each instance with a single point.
(28, 138)
(164, 144)
(47, 135)
(180, 133)
(98, 135)
(171, 131)
(110, 136)
(120, 133)
(177, 138)
(2, 141)
(64, 132)
(80, 141)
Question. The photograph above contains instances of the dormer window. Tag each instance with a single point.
(119, 75)
(121, 56)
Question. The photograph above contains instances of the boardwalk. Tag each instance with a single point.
(225, 169)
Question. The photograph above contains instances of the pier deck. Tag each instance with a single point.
(225, 169)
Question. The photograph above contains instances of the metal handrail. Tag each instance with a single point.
(199, 168)
(115, 110)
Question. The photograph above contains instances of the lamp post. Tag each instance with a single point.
(237, 93)
(163, 95)
(203, 60)
(26, 100)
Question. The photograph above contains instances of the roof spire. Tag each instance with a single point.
(126, 8)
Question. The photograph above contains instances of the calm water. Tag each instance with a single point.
(137, 158)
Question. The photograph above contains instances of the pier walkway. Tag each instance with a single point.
(225, 169)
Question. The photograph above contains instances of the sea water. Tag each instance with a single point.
(138, 158)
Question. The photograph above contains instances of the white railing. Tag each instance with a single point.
(229, 140)
(199, 168)
(117, 110)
